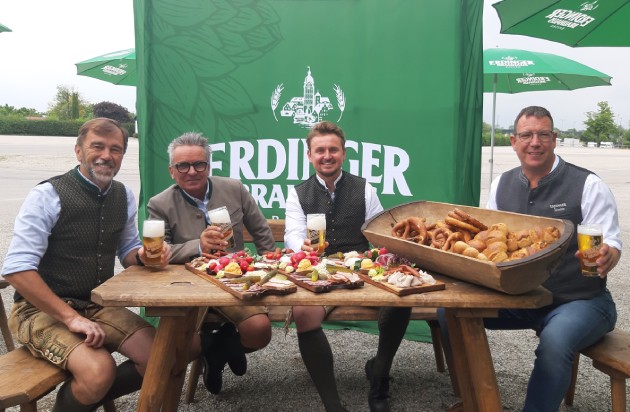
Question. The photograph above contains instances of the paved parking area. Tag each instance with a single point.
(277, 379)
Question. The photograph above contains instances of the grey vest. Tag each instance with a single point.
(344, 216)
(82, 246)
(559, 196)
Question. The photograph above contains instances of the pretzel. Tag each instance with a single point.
(469, 219)
(461, 224)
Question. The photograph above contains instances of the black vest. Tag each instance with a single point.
(82, 246)
(344, 216)
(559, 196)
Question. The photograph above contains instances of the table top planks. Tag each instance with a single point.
(175, 286)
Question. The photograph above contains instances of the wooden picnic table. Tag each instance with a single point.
(176, 295)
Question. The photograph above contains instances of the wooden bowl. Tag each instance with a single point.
(513, 277)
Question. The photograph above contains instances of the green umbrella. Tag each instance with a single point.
(517, 71)
(577, 23)
(117, 67)
(4, 28)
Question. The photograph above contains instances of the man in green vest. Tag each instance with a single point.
(66, 238)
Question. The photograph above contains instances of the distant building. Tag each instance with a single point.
(570, 142)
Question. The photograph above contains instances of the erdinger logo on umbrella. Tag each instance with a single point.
(563, 18)
(115, 71)
(510, 61)
(311, 107)
(532, 79)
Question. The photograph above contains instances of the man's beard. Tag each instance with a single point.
(99, 177)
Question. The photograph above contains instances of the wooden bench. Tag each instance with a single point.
(341, 313)
(610, 355)
(24, 379)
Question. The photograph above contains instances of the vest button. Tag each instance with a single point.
(531, 202)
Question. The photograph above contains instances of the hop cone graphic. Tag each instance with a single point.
(203, 43)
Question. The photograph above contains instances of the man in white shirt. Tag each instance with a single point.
(347, 202)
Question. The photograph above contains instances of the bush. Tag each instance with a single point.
(45, 127)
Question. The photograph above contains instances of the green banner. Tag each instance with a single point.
(403, 78)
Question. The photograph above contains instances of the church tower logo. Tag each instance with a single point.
(311, 107)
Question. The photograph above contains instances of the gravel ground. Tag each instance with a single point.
(276, 378)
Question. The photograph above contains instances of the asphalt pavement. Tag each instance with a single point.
(276, 379)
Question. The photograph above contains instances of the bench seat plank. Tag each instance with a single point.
(24, 378)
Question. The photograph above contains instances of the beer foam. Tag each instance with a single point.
(153, 228)
(220, 215)
(317, 222)
(591, 230)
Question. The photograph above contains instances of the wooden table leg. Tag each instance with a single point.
(164, 378)
(473, 362)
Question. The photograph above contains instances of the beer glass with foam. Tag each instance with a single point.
(152, 239)
(316, 231)
(221, 217)
(590, 239)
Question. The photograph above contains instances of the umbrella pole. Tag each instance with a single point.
(494, 108)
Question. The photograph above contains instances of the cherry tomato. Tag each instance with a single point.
(250, 268)
(270, 255)
(249, 259)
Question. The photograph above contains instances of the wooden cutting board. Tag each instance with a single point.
(303, 280)
(438, 285)
(236, 289)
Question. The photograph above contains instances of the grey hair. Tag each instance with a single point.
(536, 111)
(189, 139)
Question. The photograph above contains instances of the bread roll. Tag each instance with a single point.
(511, 242)
(497, 257)
(499, 226)
(471, 252)
(495, 236)
(551, 234)
(477, 244)
(460, 246)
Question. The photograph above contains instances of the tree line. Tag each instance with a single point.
(68, 104)
(599, 127)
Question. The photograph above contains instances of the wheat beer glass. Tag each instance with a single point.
(590, 239)
(316, 231)
(221, 218)
(152, 239)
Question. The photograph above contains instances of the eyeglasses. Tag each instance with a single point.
(184, 167)
(545, 136)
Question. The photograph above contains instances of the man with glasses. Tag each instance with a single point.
(184, 207)
(583, 309)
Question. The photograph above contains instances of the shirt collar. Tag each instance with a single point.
(321, 181)
(103, 192)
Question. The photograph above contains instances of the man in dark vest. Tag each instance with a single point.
(66, 238)
(347, 201)
(583, 309)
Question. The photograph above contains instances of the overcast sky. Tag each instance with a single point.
(50, 36)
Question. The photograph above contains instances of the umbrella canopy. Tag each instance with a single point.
(117, 67)
(4, 28)
(576, 23)
(516, 71)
